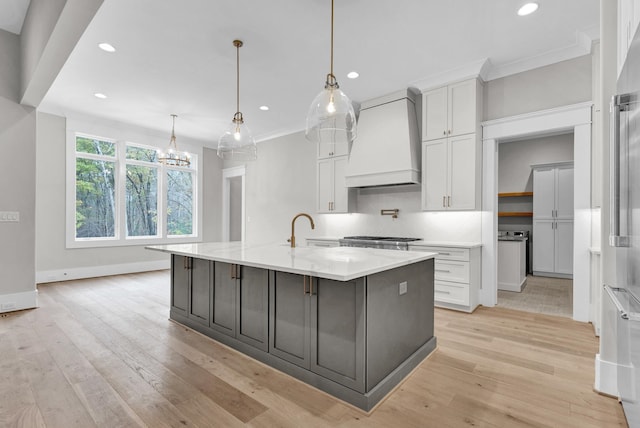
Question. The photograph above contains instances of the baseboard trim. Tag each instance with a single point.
(18, 301)
(606, 381)
(95, 271)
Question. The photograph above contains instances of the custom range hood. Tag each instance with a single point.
(387, 150)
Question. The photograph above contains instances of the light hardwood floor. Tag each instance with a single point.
(101, 352)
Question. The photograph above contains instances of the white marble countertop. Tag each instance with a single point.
(338, 263)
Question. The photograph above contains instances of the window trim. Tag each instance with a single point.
(126, 136)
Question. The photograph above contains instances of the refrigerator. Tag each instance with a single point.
(625, 231)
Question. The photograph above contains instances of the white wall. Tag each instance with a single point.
(54, 262)
(17, 182)
(564, 83)
(282, 183)
(515, 160)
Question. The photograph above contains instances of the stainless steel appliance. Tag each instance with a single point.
(625, 232)
(383, 242)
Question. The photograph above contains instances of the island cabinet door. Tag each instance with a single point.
(200, 295)
(223, 303)
(338, 331)
(252, 311)
(289, 317)
(180, 284)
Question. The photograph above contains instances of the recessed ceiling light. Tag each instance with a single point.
(100, 95)
(353, 75)
(264, 108)
(527, 9)
(106, 47)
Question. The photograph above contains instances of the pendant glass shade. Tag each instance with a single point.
(237, 143)
(331, 118)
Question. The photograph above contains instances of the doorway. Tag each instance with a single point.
(521, 284)
(576, 118)
(233, 204)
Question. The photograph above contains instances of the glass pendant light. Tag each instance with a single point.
(331, 118)
(237, 143)
(172, 156)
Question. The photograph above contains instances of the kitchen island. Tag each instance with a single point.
(353, 322)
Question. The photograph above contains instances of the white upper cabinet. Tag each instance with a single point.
(450, 173)
(451, 151)
(332, 192)
(329, 150)
(451, 110)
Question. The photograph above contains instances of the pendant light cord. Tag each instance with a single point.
(331, 37)
(238, 75)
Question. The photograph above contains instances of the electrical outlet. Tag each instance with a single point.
(6, 216)
(403, 288)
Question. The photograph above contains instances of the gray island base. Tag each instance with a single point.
(355, 339)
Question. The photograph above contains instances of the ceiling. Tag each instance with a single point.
(13, 13)
(177, 56)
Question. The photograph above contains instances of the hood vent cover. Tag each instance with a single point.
(388, 150)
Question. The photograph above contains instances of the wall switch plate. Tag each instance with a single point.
(6, 216)
(403, 288)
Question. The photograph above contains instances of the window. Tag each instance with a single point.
(122, 195)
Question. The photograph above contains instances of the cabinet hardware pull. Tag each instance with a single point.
(449, 201)
(238, 271)
(442, 270)
(444, 200)
(310, 286)
(444, 132)
(444, 254)
(449, 131)
(184, 263)
(443, 292)
(304, 284)
(328, 206)
(231, 272)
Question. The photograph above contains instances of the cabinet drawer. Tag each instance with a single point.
(445, 253)
(450, 270)
(451, 293)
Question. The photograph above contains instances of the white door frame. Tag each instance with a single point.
(574, 118)
(227, 175)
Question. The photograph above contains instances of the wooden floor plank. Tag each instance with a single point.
(110, 342)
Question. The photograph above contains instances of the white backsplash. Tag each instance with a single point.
(453, 226)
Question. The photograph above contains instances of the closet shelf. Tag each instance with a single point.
(514, 194)
(515, 214)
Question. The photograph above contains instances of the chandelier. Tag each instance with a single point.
(172, 156)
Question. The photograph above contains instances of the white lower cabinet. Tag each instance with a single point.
(456, 274)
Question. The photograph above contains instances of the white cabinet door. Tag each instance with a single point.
(325, 185)
(462, 173)
(462, 108)
(564, 192)
(328, 150)
(450, 110)
(434, 115)
(340, 191)
(434, 175)
(564, 247)
(544, 193)
(543, 245)
(332, 192)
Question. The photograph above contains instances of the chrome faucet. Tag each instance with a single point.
(293, 225)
